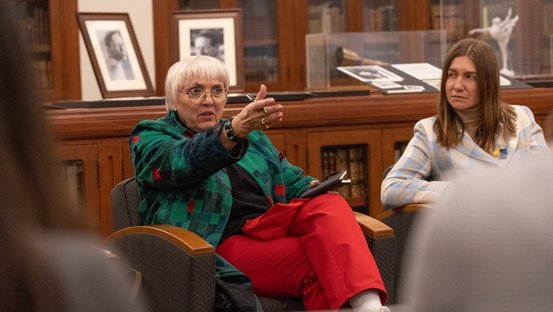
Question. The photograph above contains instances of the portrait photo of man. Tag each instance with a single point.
(117, 60)
(208, 41)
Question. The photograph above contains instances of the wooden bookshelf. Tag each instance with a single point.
(52, 35)
(274, 35)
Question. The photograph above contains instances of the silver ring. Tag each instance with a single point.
(263, 123)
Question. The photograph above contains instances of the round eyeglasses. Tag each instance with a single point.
(198, 95)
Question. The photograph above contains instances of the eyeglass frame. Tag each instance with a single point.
(203, 96)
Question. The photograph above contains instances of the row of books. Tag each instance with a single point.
(351, 158)
(451, 18)
(547, 20)
(382, 18)
(35, 18)
(261, 67)
(326, 18)
(36, 21)
(74, 178)
(43, 69)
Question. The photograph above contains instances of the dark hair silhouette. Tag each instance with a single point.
(32, 194)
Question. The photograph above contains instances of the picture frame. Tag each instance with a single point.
(115, 55)
(217, 33)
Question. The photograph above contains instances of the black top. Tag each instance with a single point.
(248, 200)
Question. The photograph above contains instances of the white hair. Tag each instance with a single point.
(190, 69)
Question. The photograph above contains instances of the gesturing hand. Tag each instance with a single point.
(262, 113)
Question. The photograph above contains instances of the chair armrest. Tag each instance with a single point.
(411, 208)
(177, 266)
(189, 241)
(381, 241)
(373, 227)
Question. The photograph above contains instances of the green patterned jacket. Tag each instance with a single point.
(182, 178)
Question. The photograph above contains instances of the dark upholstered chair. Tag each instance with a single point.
(178, 266)
(401, 220)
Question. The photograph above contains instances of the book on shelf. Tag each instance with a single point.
(331, 163)
(342, 164)
(73, 175)
(325, 17)
(346, 158)
(379, 18)
(355, 161)
(451, 18)
(324, 162)
(43, 68)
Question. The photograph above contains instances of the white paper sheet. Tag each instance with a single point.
(421, 71)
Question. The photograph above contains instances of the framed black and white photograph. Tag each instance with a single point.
(115, 55)
(217, 33)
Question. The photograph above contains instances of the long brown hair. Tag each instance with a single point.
(492, 112)
(32, 189)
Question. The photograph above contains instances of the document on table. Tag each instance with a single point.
(421, 71)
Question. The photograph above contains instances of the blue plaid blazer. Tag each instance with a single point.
(424, 157)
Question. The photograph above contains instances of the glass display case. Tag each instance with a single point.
(326, 16)
(519, 31)
(326, 52)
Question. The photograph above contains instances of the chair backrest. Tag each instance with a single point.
(124, 204)
(166, 279)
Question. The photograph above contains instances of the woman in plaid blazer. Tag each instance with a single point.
(473, 129)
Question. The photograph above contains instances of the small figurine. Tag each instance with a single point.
(500, 31)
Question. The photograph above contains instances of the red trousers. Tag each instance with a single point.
(309, 248)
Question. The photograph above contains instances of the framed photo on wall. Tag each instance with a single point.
(216, 33)
(115, 55)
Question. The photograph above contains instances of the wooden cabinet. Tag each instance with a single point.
(52, 34)
(94, 145)
(93, 168)
(357, 150)
(292, 143)
(394, 141)
(80, 159)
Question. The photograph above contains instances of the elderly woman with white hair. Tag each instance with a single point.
(224, 180)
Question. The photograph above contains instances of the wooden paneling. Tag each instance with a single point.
(163, 42)
(86, 179)
(390, 137)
